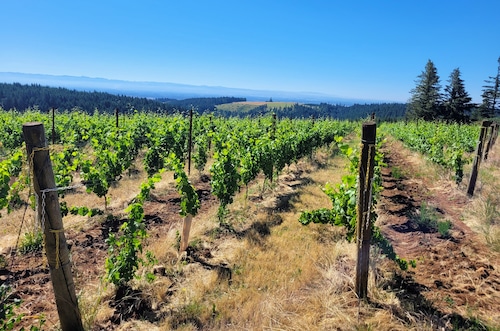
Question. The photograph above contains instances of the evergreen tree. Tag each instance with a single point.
(491, 96)
(425, 99)
(457, 103)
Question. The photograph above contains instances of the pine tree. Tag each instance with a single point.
(457, 103)
(491, 96)
(425, 101)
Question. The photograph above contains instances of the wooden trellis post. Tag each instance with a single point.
(489, 140)
(190, 139)
(117, 113)
(56, 248)
(53, 125)
(494, 134)
(363, 224)
(477, 159)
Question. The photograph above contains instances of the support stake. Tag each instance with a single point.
(363, 224)
(56, 248)
(477, 159)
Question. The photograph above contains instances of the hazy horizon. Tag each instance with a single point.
(361, 49)
(171, 89)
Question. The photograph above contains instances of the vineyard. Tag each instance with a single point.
(200, 222)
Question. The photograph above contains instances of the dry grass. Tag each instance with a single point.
(484, 214)
(284, 276)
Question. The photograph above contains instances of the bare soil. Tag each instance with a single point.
(456, 280)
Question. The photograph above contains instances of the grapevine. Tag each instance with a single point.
(225, 178)
(443, 144)
(189, 199)
(124, 251)
(343, 197)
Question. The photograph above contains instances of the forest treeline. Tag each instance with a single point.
(202, 105)
(21, 97)
(428, 103)
(382, 111)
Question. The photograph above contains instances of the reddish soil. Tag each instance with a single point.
(457, 276)
(29, 277)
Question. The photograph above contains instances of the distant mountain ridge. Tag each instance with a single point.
(41, 97)
(168, 90)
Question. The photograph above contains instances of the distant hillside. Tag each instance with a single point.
(382, 111)
(22, 97)
(152, 90)
(201, 105)
(249, 108)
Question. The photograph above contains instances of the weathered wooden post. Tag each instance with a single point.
(56, 248)
(116, 117)
(53, 125)
(190, 140)
(273, 127)
(210, 136)
(363, 224)
(495, 134)
(489, 140)
(477, 159)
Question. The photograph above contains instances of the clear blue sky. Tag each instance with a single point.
(355, 49)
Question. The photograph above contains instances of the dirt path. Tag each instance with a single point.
(457, 276)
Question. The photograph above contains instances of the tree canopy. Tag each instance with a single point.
(490, 107)
(425, 97)
(457, 104)
(22, 97)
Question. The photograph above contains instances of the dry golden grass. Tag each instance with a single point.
(284, 276)
(484, 214)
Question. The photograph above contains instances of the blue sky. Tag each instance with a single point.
(354, 49)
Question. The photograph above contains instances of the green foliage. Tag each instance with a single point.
(202, 104)
(64, 164)
(20, 96)
(114, 152)
(177, 242)
(344, 205)
(457, 104)
(225, 178)
(10, 168)
(425, 97)
(426, 219)
(396, 173)
(189, 198)
(31, 242)
(444, 228)
(319, 216)
(388, 250)
(201, 153)
(384, 111)
(85, 211)
(9, 319)
(123, 260)
(343, 197)
(124, 250)
(490, 107)
(444, 144)
(153, 161)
